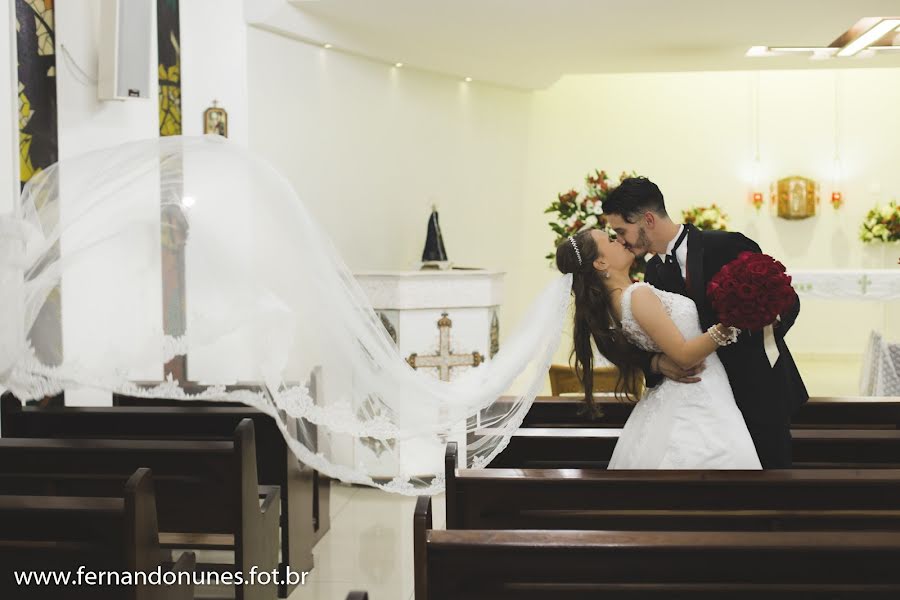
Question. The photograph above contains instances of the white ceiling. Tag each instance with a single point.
(532, 43)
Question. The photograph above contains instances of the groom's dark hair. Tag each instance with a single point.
(633, 197)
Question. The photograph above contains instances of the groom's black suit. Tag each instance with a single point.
(766, 395)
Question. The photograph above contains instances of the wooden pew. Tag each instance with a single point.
(207, 493)
(276, 465)
(839, 412)
(492, 564)
(591, 448)
(43, 534)
(809, 499)
(271, 453)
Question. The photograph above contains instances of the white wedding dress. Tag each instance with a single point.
(682, 425)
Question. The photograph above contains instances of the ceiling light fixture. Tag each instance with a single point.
(398, 65)
(871, 36)
(468, 79)
(326, 46)
(757, 51)
(865, 38)
(796, 49)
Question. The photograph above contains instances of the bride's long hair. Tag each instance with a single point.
(594, 318)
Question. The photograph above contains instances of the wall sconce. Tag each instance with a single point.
(757, 200)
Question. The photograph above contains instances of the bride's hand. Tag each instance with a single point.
(670, 369)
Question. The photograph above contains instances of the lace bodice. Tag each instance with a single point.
(680, 308)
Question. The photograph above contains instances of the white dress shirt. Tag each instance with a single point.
(681, 253)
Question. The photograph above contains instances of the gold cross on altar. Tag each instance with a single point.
(445, 360)
(864, 282)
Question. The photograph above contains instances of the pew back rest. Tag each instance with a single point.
(201, 486)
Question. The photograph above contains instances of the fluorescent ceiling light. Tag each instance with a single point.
(796, 49)
(757, 51)
(869, 37)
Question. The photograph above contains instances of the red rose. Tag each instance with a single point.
(750, 291)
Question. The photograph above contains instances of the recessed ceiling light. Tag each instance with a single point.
(468, 79)
(871, 36)
(326, 46)
(398, 65)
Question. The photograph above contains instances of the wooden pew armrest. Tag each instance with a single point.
(270, 496)
(186, 563)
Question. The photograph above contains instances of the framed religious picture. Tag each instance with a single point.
(215, 120)
(795, 197)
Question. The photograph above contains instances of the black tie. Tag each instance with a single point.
(672, 278)
(671, 259)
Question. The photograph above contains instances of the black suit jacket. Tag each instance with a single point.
(764, 394)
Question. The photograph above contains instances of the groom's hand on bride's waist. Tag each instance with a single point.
(668, 367)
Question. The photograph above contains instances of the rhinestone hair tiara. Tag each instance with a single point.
(577, 252)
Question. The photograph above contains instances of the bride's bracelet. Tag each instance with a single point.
(721, 338)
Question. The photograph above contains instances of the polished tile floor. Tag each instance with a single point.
(369, 546)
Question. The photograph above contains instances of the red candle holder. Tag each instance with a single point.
(757, 200)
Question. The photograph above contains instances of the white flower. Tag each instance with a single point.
(597, 208)
(570, 222)
(591, 221)
(887, 212)
(709, 214)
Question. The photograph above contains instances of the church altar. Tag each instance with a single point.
(881, 287)
(443, 323)
(871, 285)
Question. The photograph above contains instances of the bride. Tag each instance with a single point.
(674, 425)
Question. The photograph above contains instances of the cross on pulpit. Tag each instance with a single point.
(864, 282)
(445, 360)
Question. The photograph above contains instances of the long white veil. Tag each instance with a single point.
(96, 242)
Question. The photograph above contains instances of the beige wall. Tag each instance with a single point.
(692, 133)
(370, 147)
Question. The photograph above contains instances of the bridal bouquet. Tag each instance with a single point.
(751, 291)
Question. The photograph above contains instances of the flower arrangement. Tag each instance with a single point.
(751, 291)
(706, 217)
(574, 212)
(882, 224)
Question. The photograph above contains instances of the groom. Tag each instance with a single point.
(685, 260)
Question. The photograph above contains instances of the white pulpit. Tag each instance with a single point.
(443, 323)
